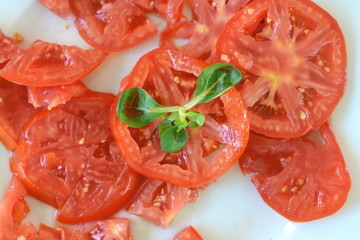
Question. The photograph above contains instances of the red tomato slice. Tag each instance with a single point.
(51, 97)
(293, 56)
(111, 25)
(14, 112)
(170, 78)
(303, 179)
(8, 49)
(48, 64)
(171, 10)
(58, 7)
(13, 210)
(202, 31)
(188, 233)
(67, 155)
(159, 202)
(110, 229)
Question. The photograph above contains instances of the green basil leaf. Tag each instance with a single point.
(213, 81)
(163, 126)
(179, 119)
(172, 140)
(137, 108)
(196, 119)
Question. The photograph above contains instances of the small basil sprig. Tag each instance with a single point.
(136, 108)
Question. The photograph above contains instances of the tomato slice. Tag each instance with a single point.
(170, 78)
(293, 56)
(58, 7)
(303, 178)
(159, 202)
(171, 10)
(51, 97)
(8, 49)
(67, 155)
(203, 28)
(13, 209)
(48, 64)
(111, 25)
(188, 233)
(14, 112)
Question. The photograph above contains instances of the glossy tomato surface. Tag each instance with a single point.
(202, 28)
(67, 158)
(303, 179)
(294, 59)
(45, 64)
(112, 25)
(188, 233)
(170, 78)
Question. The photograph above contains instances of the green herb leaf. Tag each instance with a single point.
(196, 119)
(164, 125)
(137, 108)
(213, 81)
(172, 140)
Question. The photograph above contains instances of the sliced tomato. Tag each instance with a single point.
(14, 112)
(188, 233)
(67, 155)
(170, 78)
(58, 7)
(13, 210)
(111, 25)
(159, 202)
(110, 229)
(203, 28)
(293, 57)
(171, 10)
(303, 178)
(51, 97)
(48, 64)
(8, 49)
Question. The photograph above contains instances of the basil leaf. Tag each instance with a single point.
(213, 81)
(196, 119)
(137, 108)
(172, 140)
(163, 126)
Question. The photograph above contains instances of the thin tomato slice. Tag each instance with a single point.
(48, 64)
(159, 202)
(170, 78)
(188, 233)
(203, 28)
(51, 97)
(8, 49)
(58, 7)
(112, 25)
(303, 179)
(14, 112)
(293, 56)
(67, 155)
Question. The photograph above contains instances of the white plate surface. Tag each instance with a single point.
(230, 208)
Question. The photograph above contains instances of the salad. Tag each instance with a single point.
(101, 143)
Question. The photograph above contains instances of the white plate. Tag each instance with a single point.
(230, 208)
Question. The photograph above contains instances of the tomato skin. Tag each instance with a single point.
(14, 112)
(303, 179)
(111, 26)
(8, 49)
(225, 117)
(48, 64)
(293, 57)
(188, 233)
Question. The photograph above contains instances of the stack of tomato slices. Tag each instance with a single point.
(71, 151)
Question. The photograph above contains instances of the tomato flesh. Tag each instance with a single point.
(188, 233)
(293, 57)
(58, 7)
(303, 179)
(172, 83)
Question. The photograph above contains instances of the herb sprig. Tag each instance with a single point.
(136, 108)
